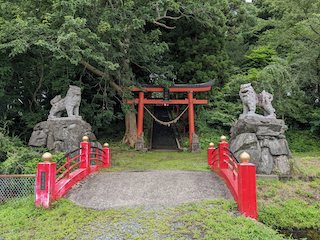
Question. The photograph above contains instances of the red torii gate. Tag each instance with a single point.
(190, 101)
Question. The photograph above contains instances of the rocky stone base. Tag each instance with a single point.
(195, 147)
(265, 141)
(139, 146)
(62, 135)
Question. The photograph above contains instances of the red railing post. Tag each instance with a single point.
(45, 181)
(106, 153)
(212, 155)
(85, 154)
(247, 193)
(223, 153)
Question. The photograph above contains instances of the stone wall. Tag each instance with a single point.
(264, 139)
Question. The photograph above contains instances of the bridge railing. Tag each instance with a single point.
(53, 183)
(240, 177)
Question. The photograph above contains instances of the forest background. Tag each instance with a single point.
(47, 45)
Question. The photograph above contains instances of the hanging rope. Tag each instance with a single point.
(167, 123)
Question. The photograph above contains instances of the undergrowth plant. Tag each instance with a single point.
(16, 157)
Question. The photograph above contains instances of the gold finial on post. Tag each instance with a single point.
(223, 138)
(211, 145)
(245, 157)
(47, 157)
(106, 145)
(85, 139)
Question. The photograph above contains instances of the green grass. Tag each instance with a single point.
(218, 219)
(307, 164)
(292, 213)
(130, 160)
(212, 219)
(291, 204)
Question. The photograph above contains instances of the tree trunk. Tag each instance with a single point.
(130, 137)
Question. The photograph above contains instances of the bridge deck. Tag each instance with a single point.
(114, 189)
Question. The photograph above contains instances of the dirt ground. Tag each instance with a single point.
(115, 189)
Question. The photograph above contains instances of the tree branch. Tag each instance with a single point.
(101, 74)
(307, 38)
(314, 30)
(143, 67)
(163, 25)
(169, 17)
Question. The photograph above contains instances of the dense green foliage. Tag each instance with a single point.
(47, 45)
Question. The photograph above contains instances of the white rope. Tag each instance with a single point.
(167, 123)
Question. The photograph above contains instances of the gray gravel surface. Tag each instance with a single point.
(102, 190)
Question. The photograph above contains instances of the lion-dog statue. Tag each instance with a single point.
(70, 103)
(251, 100)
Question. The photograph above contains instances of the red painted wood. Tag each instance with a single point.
(106, 156)
(213, 157)
(140, 113)
(160, 89)
(57, 188)
(247, 202)
(65, 184)
(190, 116)
(85, 156)
(227, 176)
(45, 197)
(223, 155)
(173, 101)
(240, 179)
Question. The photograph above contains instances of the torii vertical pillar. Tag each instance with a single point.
(191, 116)
(140, 114)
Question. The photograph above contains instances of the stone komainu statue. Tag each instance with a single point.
(70, 103)
(251, 100)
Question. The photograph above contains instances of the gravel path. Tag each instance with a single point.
(102, 190)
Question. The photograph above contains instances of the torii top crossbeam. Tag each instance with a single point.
(189, 88)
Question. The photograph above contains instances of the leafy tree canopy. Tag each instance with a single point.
(47, 45)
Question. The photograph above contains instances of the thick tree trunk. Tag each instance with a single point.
(130, 137)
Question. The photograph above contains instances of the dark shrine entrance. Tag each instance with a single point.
(163, 137)
(189, 89)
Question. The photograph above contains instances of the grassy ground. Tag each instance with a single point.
(124, 159)
(216, 219)
(280, 204)
(292, 204)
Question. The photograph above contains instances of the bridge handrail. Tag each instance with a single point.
(68, 154)
(49, 187)
(239, 176)
(97, 155)
(232, 163)
(68, 167)
(92, 147)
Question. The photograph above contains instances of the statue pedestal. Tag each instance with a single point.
(265, 141)
(62, 134)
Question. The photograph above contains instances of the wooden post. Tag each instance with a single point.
(106, 153)
(223, 153)
(191, 116)
(212, 155)
(45, 181)
(85, 154)
(247, 192)
(140, 114)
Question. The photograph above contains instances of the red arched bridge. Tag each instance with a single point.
(54, 180)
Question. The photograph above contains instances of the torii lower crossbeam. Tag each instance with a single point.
(141, 101)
